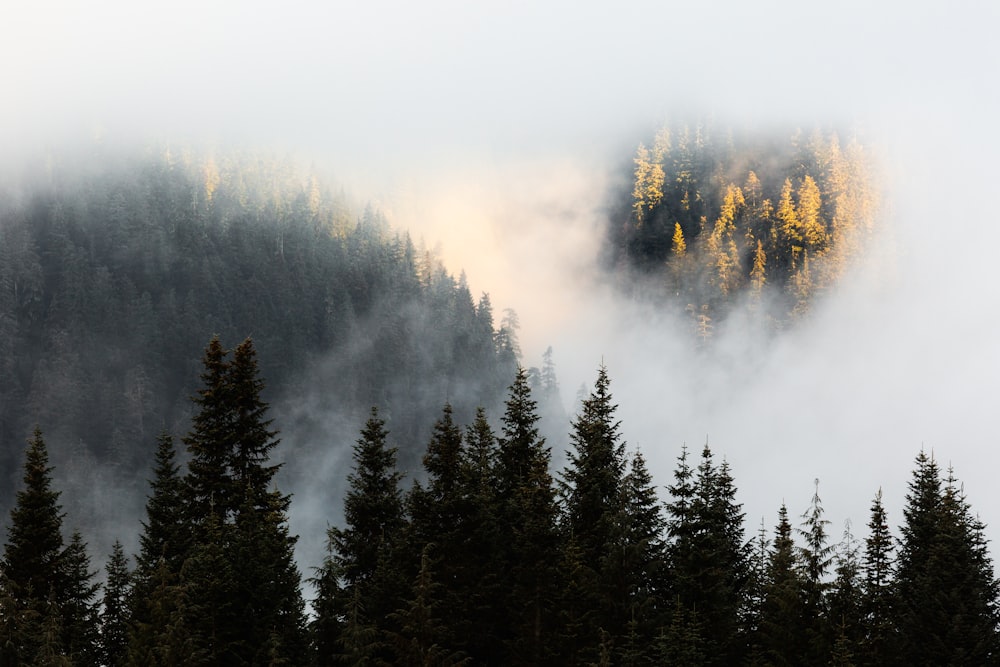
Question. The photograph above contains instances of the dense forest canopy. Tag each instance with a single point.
(718, 219)
(490, 557)
(461, 530)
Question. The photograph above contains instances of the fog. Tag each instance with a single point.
(494, 131)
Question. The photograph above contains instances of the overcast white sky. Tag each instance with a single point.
(489, 127)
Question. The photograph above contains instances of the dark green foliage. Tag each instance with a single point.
(708, 555)
(527, 524)
(114, 274)
(363, 579)
(482, 577)
(781, 632)
(945, 600)
(593, 515)
(816, 556)
(115, 616)
(48, 594)
(644, 562)
(877, 592)
(78, 604)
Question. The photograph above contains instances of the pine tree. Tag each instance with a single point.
(644, 561)
(527, 523)
(845, 623)
(482, 575)
(439, 517)
(33, 561)
(946, 593)
(877, 565)
(592, 506)
(708, 555)
(76, 600)
(365, 549)
(816, 556)
(239, 570)
(782, 612)
(164, 532)
(115, 617)
(164, 544)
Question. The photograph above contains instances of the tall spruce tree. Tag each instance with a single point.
(482, 575)
(363, 554)
(644, 563)
(708, 555)
(164, 544)
(876, 601)
(245, 602)
(33, 560)
(946, 593)
(781, 635)
(439, 519)
(592, 495)
(50, 612)
(527, 521)
(115, 616)
(816, 556)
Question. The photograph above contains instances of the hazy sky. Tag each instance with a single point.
(492, 128)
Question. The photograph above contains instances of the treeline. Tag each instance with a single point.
(114, 271)
(718, 219)
(489, 558)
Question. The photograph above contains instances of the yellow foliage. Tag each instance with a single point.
(678, 246)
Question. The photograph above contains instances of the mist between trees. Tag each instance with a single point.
(489, 558)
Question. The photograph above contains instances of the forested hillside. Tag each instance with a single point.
(718, 220)
(491, 558)
(114, 272)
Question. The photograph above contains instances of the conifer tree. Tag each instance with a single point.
(242, 581)
(164, 532)
(816, 556)
(164, 544)
(946, 593)
(644, 561)
(527, 523)
(115, 610)
(708, 555)
(845, 626)
(439, 517)
(483, 576)
(79, 608)
(33, 560)
(365, 549)
(877, 566)
(781, 632)
(592, 490)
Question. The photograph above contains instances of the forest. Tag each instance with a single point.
(718, 221)
(473, 521)
(488, 558)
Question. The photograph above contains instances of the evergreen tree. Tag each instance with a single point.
(33, 560)
(845, 625)
(708, 556)
(876, 601)
(644, 562)
(782, 613)
(239, 571)
(816, 556)
(115, 618)
(364, 552)
(592, 491)
(946, 593)
(164, 544)
(482, 572)
(79, 609)
(527, 522)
